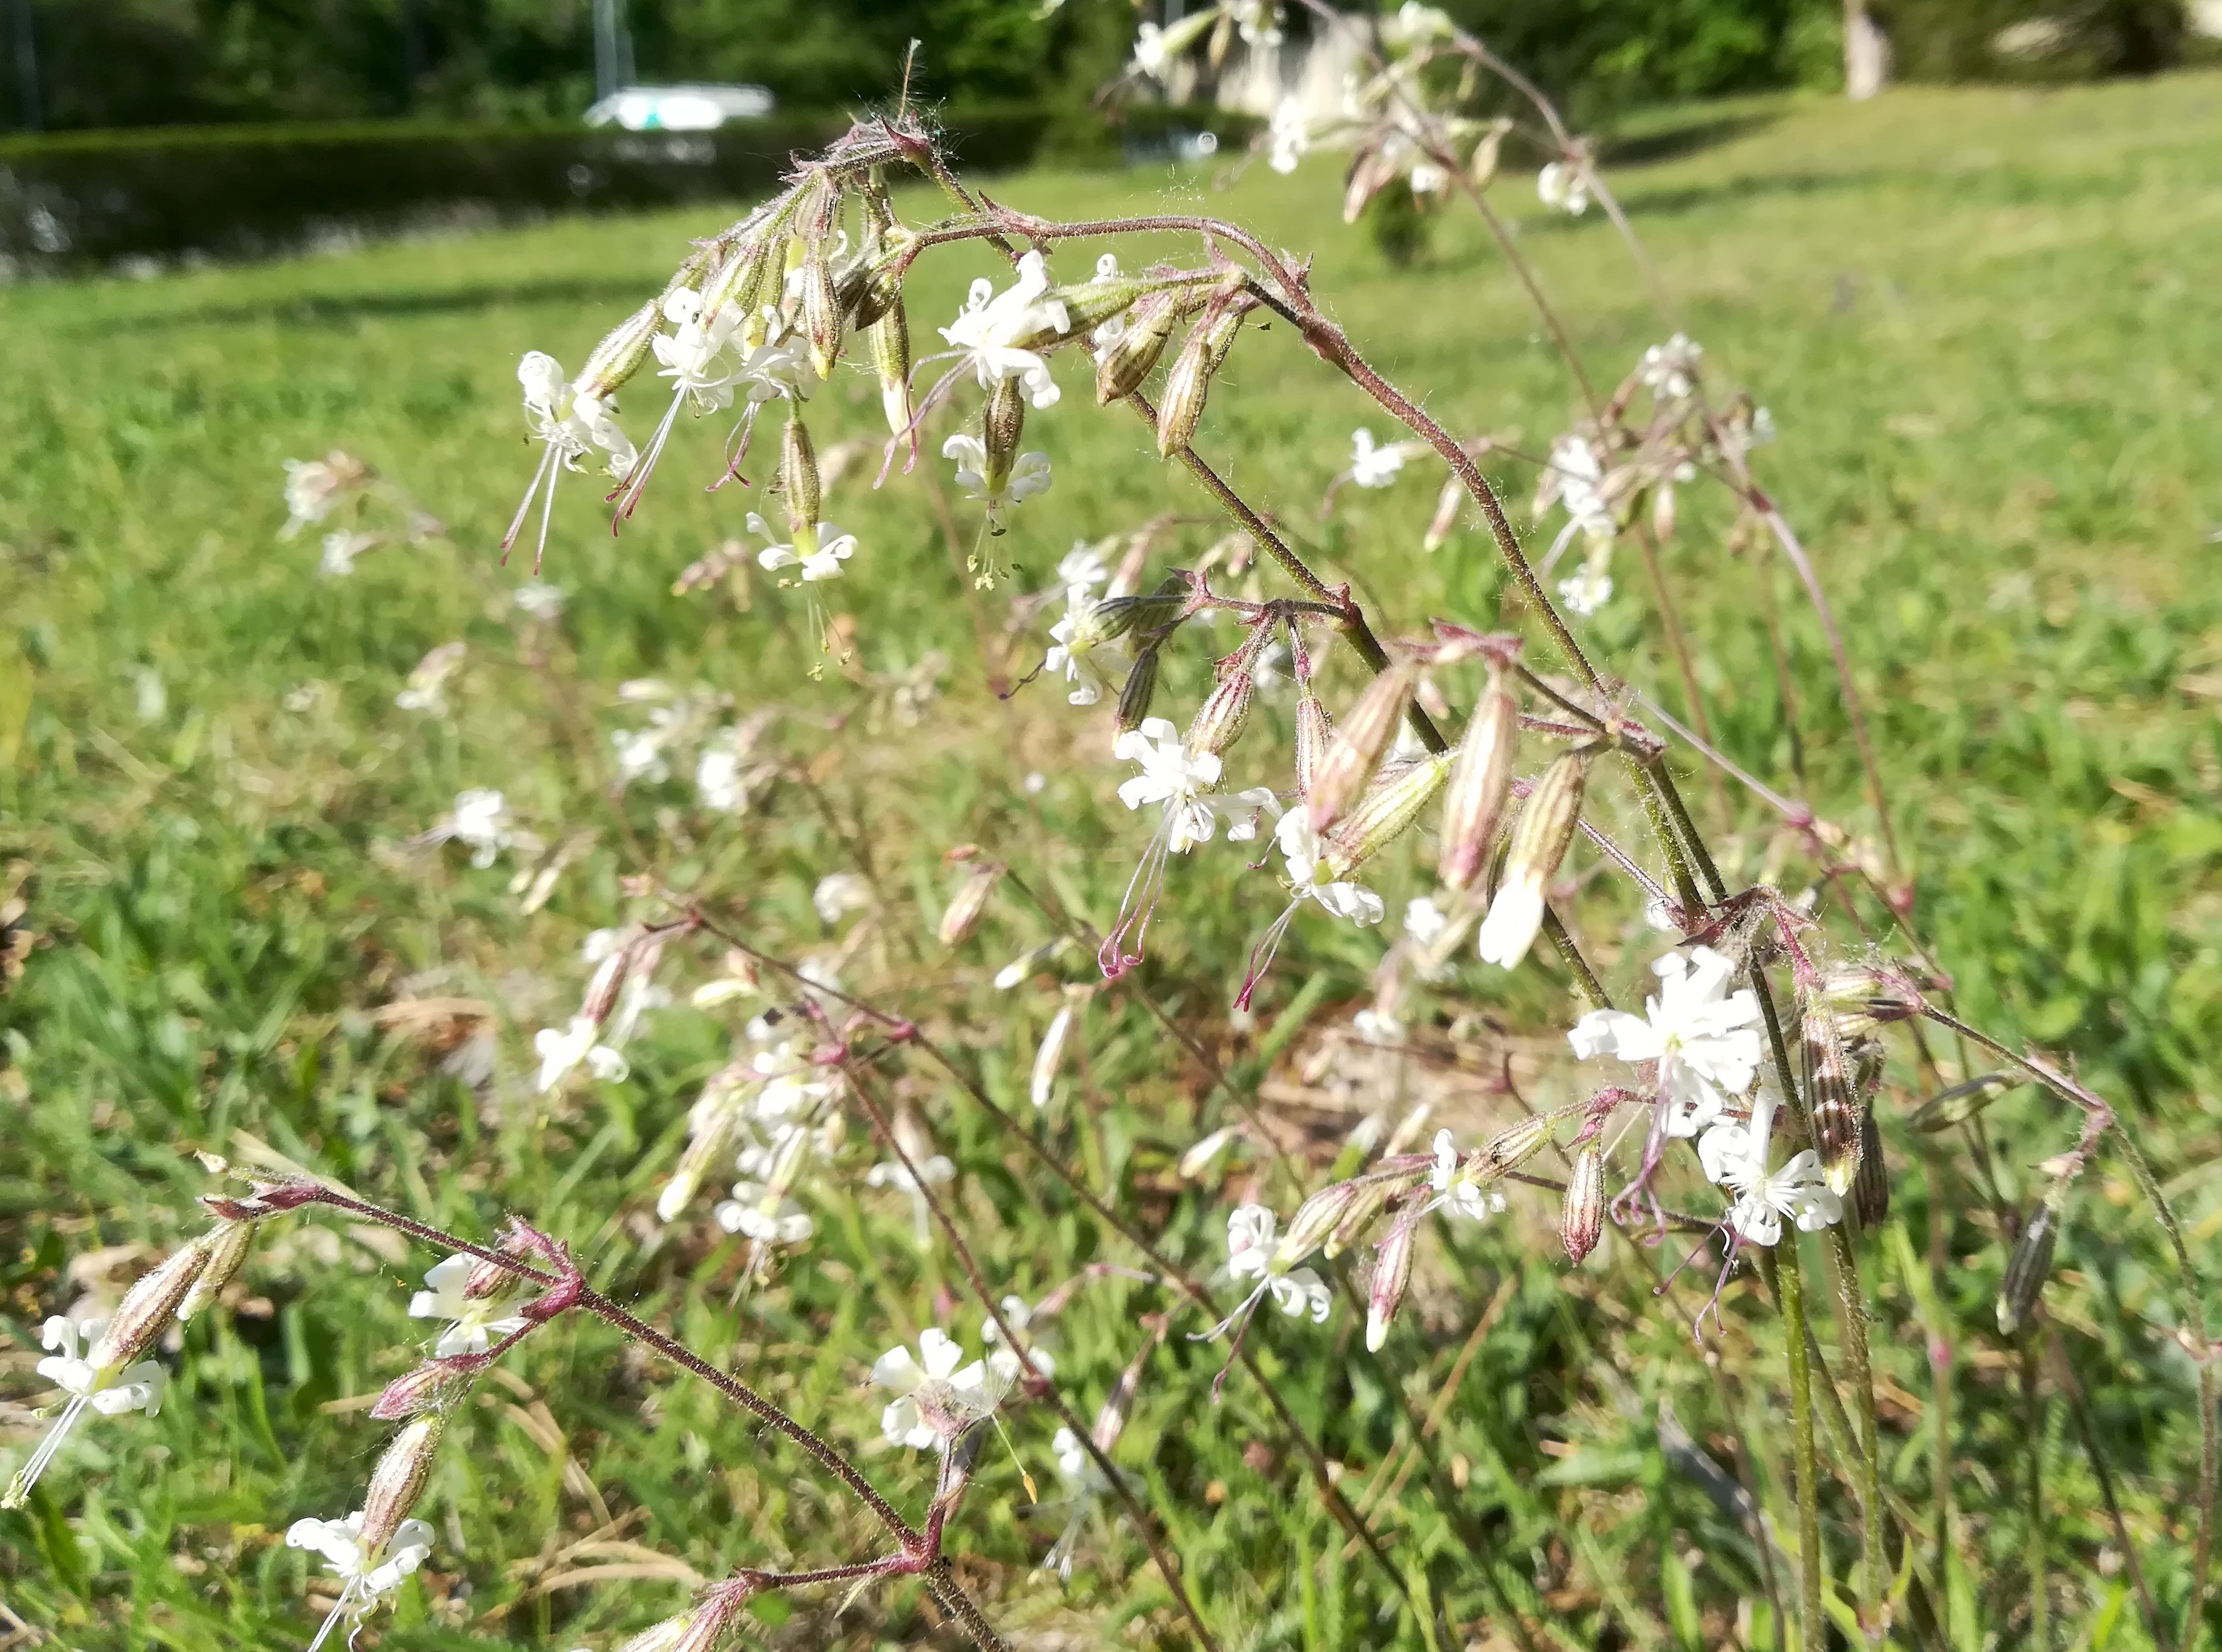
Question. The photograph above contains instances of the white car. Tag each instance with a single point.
(688, 107)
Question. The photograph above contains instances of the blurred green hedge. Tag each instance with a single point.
(74, 199)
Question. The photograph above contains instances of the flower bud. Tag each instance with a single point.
(1392, 1272)
(1219, 721)
(1202, 355)
(1359, 744)
(797, 482)
(1001, 425)
(428, 1387)
(1120, 369)
(621, 350)
(149, 1306)
(1448, 502)
(1139, 690)
(1090, 303)
(1483, 168)
(1480, 785)
(737, 285)
(1050, 1056)
(1871, 1186)
(961, 915)
(1961, 1103)
(1316, 1218)
(1506, 1151)
(1383, 813)
(715, 1136)
(398, 1480)
(1829, 1099)
(2030, 1263)
(1582, 1219)
(1539, 844)
(890, 339)
(661, 1637)
(1373, 1196)
(1116, 616)
(228, 1246)
(1662, 511)
(821, 311)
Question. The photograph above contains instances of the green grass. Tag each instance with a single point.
(1986, 324)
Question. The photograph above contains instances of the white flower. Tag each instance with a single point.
(1416, 24)
(1669, 370)
(1735, 1155)
(1049, 1056)
(341, 550)
(1564, 187)
(1085, 1481)
(1377, 1028)
(480, 819)
(1109, 331)
(1018, 1315)
(313, 486)
(366, 1577)
(639, 753)
(935, 1402)
(538, 601)
(567, 424)
(1030, 475)
(1289, 136)
(1081, 569)
(474, 1322)
(562, 1052)
(427, 689)
(1080, 651)
(1462, 1198)
(1171, 776)
(1250, 1231)
(1373, 467)
(754, 1213)
(1515, 914)
(1423, 920)
(932, 1173)
(1572, 479)
(1702, 1035)
(995, 331)
(695, 355)
(111, 1390)
(820, 560)
(1311, 878)
(839, 894)
(1588, 589)
(1151, 53)
(1259, 21)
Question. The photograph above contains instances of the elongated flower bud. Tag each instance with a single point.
(1480, 785)
(1315, 736)
(1506, 1151)
(737, 285)
(962, 915)
(715, 1136)
(1392, 1274)
(2030, 1263)
(1539, 844)
(1482, 167)
(228, 1245)
(1050, 1056)
(1002, 426)
(1090, 303)
(1961, 1103)
(1116, 616)
(1199, 1157)
(621, 350)
(797, 482)
(149, 1306)
(1316, 1218)
(890, 339)
(1829, 1096)
(1360, 742)
(661, 1637)
(1871, 1186)
(1383, 813)
(821, 311)
(1220, 720)
(1139, 690)
(427, 1387)
(1582, 1219)
(1448, 504)
(1202, 353)
(1120, 369)
(398, 1480)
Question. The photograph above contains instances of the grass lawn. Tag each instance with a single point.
(1987, 325)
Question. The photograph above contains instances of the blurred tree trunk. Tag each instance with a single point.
(1867, 53)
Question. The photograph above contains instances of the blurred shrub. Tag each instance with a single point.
(2051, 39)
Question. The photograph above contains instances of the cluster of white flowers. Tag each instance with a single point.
(1706, 1043)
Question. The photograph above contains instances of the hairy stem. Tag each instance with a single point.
(1805, 1462)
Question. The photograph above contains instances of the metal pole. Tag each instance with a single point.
(605, 47)
(26, 70)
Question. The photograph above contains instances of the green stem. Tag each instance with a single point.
(1851, 1298)
(2040, 1614)
(1810, 1623)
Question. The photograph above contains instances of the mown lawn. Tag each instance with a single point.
(1986, 324)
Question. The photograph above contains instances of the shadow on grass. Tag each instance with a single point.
(1683, 139)
(337, 309)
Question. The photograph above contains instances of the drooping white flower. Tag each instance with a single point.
(1588, 589)
(755, 1212)
(935, 1400)
(1311, 878)
(1702, 1036)
(1019, 1314)
(1572, 480)
(560, 1053)
(110, 1389)
(1110, 330)
(1085, 1483)
(1259, 21)
(1296, 1291)
(481, 819)
(1423, 920)
(474, 1323)
(639, 755)
(1454, 1193)
(839, 894)
(1564, 187)
(819, 561)
(932, 1173)
(1373, 467)
(1081, 569)
(997, 333)
(569, 424)
(1669, 370)
(366, 1577)
(1377, 1028)
(1152, 56)
(341, 550)
(1289, 136)
(1083, 652)
(1735, 1154)
(314, 486)
(537, 601)
(1173, 776)
(1029, 475)
(427, 688)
